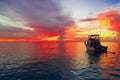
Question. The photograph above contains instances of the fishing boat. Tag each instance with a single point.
(93, 44)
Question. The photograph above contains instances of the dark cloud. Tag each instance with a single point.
(11, 32)
(88, 19)
(10, 29)
(43, 14)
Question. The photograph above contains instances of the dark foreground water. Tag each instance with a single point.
(57, 61)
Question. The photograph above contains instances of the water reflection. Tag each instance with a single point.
(46, 61)
(93, 57)
(57, 61)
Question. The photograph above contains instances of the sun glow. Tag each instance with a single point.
(53, 38)
(105, 23)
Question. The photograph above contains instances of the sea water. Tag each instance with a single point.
(57, 61)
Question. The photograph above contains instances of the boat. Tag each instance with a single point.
(93, 44)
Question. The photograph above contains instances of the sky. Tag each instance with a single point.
(55, 19)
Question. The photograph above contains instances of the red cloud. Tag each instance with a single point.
(113, 17)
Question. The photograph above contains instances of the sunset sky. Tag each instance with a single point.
(50, 19)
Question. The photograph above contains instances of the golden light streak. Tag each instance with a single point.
(12, 23)
(54, 38)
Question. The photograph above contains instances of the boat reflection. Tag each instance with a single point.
(94, 57)
(58, 61)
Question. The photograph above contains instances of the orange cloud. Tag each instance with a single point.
(110, 19)
(72, 32)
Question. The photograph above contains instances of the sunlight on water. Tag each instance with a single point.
(58, 61)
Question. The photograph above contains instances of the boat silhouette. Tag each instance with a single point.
(93, 44)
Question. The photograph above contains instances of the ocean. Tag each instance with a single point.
(57, 61)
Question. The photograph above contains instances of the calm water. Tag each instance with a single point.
(57, 61)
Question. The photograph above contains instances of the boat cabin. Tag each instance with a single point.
(95, 36)
(93, 40)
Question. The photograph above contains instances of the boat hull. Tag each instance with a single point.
(100, 49)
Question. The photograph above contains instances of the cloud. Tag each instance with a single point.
(33, 14)
(73, 32)
(11, 32)
(113, 18)
(88, 19)
(12, 23)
